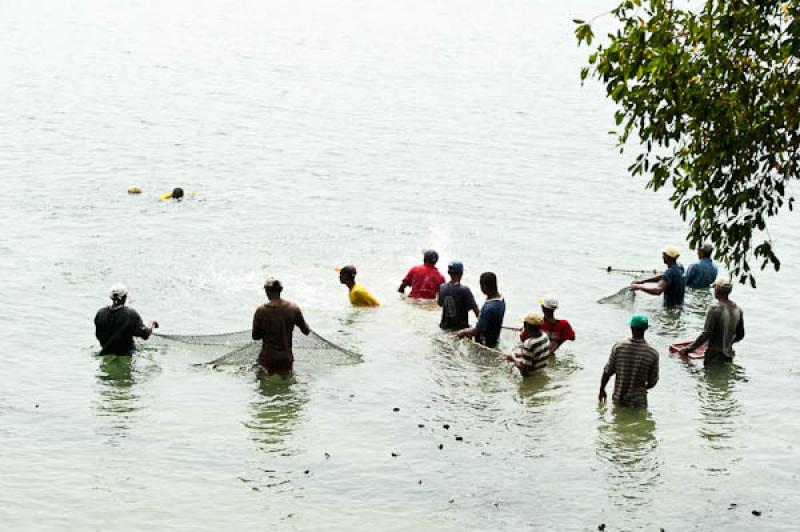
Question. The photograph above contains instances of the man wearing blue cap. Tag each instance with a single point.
(456, 300)
(635, 363)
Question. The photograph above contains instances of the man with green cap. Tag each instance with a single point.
(724, 326)
(635, 363)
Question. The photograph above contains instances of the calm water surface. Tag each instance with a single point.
(316, 134)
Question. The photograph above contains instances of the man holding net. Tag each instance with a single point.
(273, 324)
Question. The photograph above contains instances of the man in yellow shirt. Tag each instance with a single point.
(359, 297)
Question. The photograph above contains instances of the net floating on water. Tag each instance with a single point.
(625, 295)
(239, 349)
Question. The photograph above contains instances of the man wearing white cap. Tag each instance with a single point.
(670, 283)
(559, 331)
(724, 326)
(273, 324)
(116, 325)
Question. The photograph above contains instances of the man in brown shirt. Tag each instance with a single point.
(273, 324)
(635, 363)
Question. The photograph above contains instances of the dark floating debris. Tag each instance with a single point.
(307, 471)
(419, 482)
(37, 406)
(459, 438)
(601, 527)
(327, 456)
(421, 425)
(395, 409)
(441, 446)
(446, 426)
(451, 501)
(756, 513)
(395, 455)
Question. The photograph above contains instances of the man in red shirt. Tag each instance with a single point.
(559, 331)
(424, 279)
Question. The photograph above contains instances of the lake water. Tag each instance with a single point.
(322, 133)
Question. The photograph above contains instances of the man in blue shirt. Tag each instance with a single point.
(456, 300)
(670, 283)
(490, 322)
(701, 274)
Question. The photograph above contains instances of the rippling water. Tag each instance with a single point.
(317, 134)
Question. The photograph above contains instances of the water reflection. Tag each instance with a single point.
(276, 410)
(719, 407)
(627, 442)
(117, 400)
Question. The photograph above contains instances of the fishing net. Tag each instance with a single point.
(625, 295)
(239, 349)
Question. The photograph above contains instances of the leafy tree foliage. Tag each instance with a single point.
(711, 89)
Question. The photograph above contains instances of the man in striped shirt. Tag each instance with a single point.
(635, 363)
(531, 357)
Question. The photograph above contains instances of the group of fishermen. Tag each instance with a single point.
(632, 360)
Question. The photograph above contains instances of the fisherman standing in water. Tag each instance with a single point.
(359, 297)
(273, 324)
(490, 322)
(635, 363)
(724, 326)
(116, 325)
(424, 279)
(703, 273)
(670, 283)
(456, 300)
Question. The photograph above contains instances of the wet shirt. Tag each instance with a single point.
(359, 297)
(635, 363)
(560, 331)
(491, 322)
(673, 295)
(533, 354)
(456, 301)
(115, 328)
(273, 324)
(724, 326)
(701, 274)
(424, 280)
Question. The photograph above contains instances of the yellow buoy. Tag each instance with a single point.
(134, 190)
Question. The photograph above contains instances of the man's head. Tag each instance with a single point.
(456, 270)
(549, 305)
(430, 257)
(639, 324)
(705, 250)
(273, 288)
(347, 274)
(118, 294)
(722, 287)
(177, 193)
(670, 255)
(532, 322)
(488, 283)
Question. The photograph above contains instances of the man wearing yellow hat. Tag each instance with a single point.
(724, 326)
(670, 283)
(531, 357)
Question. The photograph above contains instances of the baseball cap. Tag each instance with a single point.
(533, 318)
(430, 256)
(349, 270)
(118, 291)
(638, 321)
(671, 251)
(723, 281)
(549, 301)
(272, 284)
(455, 266)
